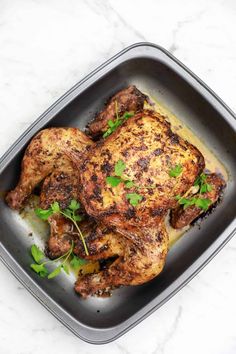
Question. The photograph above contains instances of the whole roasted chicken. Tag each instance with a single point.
(128, 180)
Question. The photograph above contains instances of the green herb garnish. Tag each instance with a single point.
(40, 267)
(202, 203)
(176, 171)
(114, 181)
(119, 168)
(113, 125)
(77, 262)
(204, 187)
(69, 213)
(134, 198)
(37, 254)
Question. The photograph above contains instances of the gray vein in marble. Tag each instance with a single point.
(105, 9)
(179, 26)
(122, 349)
(170, 333)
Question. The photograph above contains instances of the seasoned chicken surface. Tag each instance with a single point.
(129, 99)
(63, 232)
(43, 156)
(61, 235)
(149, 149)
(181, 217)
(102, 242)
(141, 259)
(131, 237)
(61, 185)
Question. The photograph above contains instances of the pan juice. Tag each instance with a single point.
(213, 164)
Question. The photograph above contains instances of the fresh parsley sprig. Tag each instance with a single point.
(202, 203)
(69, 213)
(40, 267)
(113, 125)
(204, 187)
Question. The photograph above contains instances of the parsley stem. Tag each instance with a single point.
(79, 231)
(67, 254)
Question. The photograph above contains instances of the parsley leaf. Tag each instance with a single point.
(129, 184)
(55, 207)
(119, 168)
(202, 203)
(186, 202)
(65, 268)
(40, 269)
(43, 214)
(55, 272)
(36, 253)
(127, 115)
(113, 125)
(74, 205)
(77, 262)
(134, 198)
(204, 187)
(113, 181)
(176, 171)
(78, 218)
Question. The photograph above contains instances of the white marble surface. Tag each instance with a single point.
(46, 46)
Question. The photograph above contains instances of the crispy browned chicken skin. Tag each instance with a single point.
(141, 258)
(73, 167)
(128, 99)
(149, 149)
(43, 156)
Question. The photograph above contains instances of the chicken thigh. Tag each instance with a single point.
(44, 155)
(141, 258)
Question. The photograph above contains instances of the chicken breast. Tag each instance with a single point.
(149, 149)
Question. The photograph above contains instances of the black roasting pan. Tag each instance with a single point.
(152, 69)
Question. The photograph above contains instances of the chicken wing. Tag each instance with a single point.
(128, 99)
